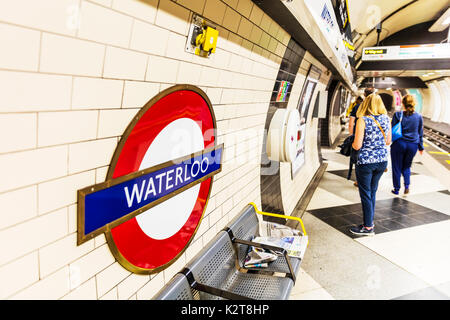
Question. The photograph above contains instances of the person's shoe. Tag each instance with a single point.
(407, 191)
(395, 192)
(355, 183)
(362, 231)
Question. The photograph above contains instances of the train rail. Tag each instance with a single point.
(438, 138)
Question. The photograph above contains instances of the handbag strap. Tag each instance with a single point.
(379, 126)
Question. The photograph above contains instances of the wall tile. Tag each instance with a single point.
(214, 10)
(18, 206)
(162, 70)
(60, 253)
(91, 93)
(172, 16)
(59, 16)
(137, 94)
(112, 123)
(35, 166)
(142, 9)
(21, 49)
(52, 287)
(65, 127)
(18, 274)
(149, 38)
(23, 91)
(231, 20)
(63, 192)
(19, 132)
(39, 232)
(124, 64)
(114, 29)
(71, 56)
(90, 155)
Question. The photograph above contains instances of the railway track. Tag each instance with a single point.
(438, 138)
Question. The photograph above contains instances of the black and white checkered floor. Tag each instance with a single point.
(408, 258)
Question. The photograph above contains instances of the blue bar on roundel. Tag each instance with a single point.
(107, 205)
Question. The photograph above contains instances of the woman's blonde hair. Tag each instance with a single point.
(372, 105)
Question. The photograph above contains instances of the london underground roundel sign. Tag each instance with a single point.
(158, 184)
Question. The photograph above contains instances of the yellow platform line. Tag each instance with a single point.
(439, 152)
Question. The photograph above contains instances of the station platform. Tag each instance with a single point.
(407, 258)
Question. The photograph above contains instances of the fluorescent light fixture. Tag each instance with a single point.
(442, 23)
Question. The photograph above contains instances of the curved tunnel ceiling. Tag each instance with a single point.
(396, 15)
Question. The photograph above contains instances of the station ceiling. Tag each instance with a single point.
(395, 15)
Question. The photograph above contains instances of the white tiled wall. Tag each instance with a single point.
(73, 74)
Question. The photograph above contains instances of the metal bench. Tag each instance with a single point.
(244, 227)
(216, 271)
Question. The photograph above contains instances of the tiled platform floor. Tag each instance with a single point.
(407, 259)
(390, 215)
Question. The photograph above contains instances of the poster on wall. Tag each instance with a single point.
(397, 100)
(303, 107)
(419, 100)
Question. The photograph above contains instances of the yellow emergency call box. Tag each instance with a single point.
(203, 36)
(210, 42)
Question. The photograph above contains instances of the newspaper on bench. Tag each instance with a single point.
(259, 258)
(277, 235)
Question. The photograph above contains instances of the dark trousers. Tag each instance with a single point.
(402, 155)
(368, 176)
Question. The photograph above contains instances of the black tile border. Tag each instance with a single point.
(390, 215)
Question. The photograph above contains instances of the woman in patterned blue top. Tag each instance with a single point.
(372, 136)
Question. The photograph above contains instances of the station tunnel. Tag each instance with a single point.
(136, 133)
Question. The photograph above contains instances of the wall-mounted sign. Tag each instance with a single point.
(407, 52)
(374, 51)
(323, 13)
(303, 106)
(158, 183)
(282, 91)
(397, 98)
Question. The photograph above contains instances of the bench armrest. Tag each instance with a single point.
(280, 216)
(211, 290)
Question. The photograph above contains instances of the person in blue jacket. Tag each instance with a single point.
(405, 148)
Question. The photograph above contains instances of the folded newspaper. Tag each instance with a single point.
(293, 245)
(259, 258)
(277, 235)
(276, 230)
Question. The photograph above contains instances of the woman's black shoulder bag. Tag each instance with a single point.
(346, 146)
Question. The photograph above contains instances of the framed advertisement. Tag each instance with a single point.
(303, 107)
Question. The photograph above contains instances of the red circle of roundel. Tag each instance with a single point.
(135, 248)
